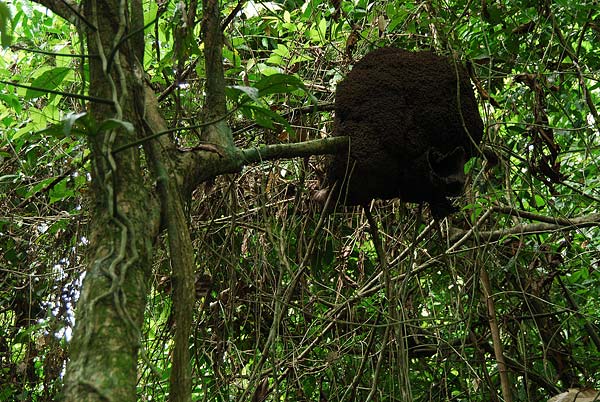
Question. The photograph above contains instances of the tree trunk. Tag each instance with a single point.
(125, 221)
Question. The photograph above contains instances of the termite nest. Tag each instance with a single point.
(413, 122)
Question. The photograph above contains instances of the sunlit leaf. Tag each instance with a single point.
(50, 79)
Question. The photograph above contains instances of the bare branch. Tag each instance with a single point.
(295, 150)
(548, 225)
(197, 166)
(531, 216)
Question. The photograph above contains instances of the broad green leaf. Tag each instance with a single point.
(12, 101)
(253, 93)
(279, 55)
(539, 201)
(267, 118)
(322, 29)
(111, 124)
(38, 187)
(265, 69)
(70, 120)
(50, 79)
(279, 83)
(150, 14)
(67, 127)
(60, 191)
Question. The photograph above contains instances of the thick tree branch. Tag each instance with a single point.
(300, 149)
(181, 252)
(199, 165)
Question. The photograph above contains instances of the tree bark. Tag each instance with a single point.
(125, 221)
(181, 252)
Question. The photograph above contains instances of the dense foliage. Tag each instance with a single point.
(293, 304)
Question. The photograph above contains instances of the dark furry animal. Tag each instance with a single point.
(406, 115)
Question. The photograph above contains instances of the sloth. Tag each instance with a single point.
(413, 123)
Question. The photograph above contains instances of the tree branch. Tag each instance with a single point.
(181, 252)
(197, 166)
(531, 216)
(67, 10)
(299, 149)
(215, 105)
(548, 225)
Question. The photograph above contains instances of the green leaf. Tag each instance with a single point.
(253, 93)
(12, 101)
(71, 119)
(40, 185)
(279, 83)
(60, 191)
(279, 55)
(539, 201)
(112, 124)
(67, 127)
(50, 79)
(322, 29)
(266, 117)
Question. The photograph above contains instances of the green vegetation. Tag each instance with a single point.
(498, 302)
